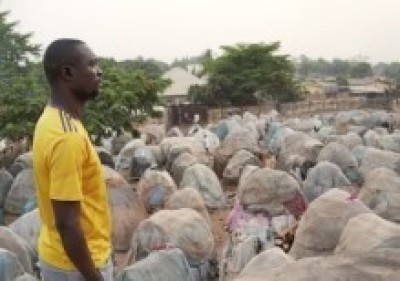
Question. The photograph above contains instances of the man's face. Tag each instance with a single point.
(87, 75)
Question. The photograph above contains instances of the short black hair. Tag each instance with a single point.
(59, 53)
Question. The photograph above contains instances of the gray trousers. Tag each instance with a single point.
(50, 273)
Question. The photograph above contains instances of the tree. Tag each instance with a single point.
(186, 61)
(151, 67)
(322, 66)
(340, 68)
(127, 96)
(361, 70)
(392, 71)
(380, 68)
(337, 67)
(214, 93)
(342, 81)
(305, 66)
(244, 70)
(182, 63)
(22, 91)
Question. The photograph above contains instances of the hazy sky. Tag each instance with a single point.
(165, 29)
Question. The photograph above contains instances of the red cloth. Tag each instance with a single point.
(239, 218)
(297, 205)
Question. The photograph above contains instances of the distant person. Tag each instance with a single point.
(196, 118)
(74, 242)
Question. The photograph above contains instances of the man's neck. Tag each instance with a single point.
(72, 106)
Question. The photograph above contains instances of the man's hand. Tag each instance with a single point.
(67, 214)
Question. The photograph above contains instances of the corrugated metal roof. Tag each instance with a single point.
(365, 90)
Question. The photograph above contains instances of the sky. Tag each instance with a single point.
(167, 29)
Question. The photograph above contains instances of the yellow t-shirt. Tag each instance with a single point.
(67, 168)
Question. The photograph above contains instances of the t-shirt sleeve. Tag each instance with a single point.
(65, 165)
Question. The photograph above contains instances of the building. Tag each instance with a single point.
(369, 91)
(181, 80)
(328, 87)
(369, 87)
(320, 88)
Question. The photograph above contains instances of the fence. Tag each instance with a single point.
(183, 115)
(307, 107)
(216, 114)
(311, 107)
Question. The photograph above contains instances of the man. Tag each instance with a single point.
(74, 241)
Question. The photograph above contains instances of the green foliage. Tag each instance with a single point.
(182, 63)
(22, 92)
(340, 68)
(392, 71)
(151, 67)
(185, 62)
(305, 66)
(337, 67)
(342, 81)
(361, 70)
(214, 93)
(128, 95)
(244, 74)
(23, 104)
(14, 46)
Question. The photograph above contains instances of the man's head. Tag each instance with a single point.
(72, 64)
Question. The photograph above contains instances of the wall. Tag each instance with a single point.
(308, 107)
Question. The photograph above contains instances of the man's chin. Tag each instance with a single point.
(94, 95)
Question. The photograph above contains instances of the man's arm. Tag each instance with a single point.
(67, 215)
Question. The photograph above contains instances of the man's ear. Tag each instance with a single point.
(67, 73)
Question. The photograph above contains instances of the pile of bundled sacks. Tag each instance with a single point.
(332, 178)
(347, 169)
(160, 191)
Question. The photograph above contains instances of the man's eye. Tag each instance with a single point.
(93, 63)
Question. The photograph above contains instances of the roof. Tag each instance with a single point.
(366, 90)
(361, 81)
(181, 80)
